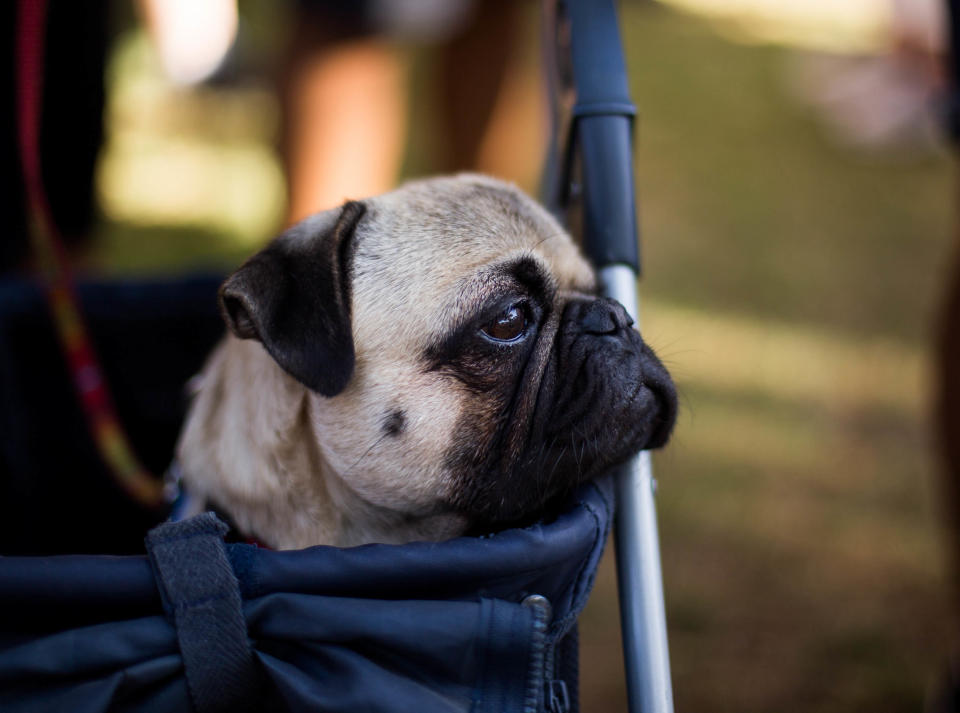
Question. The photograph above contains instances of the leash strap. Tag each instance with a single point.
(87, 376)
(201, 595)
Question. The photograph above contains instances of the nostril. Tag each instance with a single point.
(605, 316)
(598, 321)
(620, 314)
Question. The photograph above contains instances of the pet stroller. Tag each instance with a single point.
(479, 624)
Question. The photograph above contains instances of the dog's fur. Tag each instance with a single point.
(361, 397)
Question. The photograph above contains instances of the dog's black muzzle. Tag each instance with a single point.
(603, 396)
(619, 363)
(608, 397)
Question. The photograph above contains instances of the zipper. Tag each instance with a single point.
(555, 695)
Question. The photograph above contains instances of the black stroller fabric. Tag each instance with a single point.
(471, 624)
(56, 495)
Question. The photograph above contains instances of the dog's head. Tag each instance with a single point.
(455, 354)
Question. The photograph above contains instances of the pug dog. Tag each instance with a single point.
(427, 363)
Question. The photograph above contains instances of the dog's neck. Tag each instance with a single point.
(252, 452)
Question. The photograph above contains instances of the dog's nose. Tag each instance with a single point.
(605, 316)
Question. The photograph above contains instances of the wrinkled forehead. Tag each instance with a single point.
(432, 247)
(438, 231)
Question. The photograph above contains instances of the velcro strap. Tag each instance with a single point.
(201, 595)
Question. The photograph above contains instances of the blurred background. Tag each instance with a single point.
(797, 203)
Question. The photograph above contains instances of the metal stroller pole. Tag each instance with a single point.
(591, 164)
(642, 615)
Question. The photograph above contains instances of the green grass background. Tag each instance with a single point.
(801, 541)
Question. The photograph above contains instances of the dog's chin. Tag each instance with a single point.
(592, 449)
(551, 469)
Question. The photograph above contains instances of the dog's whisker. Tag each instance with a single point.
(557, 462)
(577, 456)
(552, 236)
(365, 454)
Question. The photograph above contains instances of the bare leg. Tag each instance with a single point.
(490, 96)
(344, 122)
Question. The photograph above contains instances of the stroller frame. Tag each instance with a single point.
(589, 173)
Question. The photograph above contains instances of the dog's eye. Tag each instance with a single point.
(507, 326)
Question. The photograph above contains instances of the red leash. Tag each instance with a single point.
(52, 259)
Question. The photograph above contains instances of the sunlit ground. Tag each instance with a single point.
(790, 286)
(848, 26)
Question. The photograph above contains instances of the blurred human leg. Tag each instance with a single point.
(487, 107)
(345, 108)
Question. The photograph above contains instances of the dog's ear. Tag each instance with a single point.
(294, 297)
